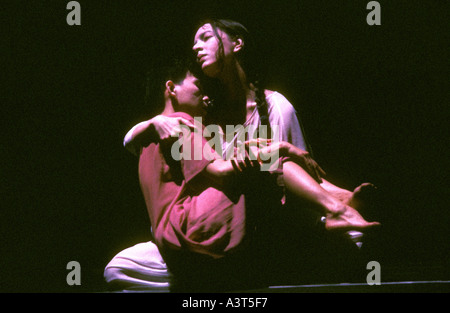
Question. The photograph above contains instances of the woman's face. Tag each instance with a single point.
(206, 47)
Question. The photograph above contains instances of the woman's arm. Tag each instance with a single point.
(297, 155)
(219, 169)
(136, 137)
(155, 129)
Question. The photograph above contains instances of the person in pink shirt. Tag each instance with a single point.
(202, 211)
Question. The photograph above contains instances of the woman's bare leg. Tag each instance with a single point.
(339, 215)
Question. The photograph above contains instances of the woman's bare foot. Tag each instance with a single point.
(347, 219)
(361, 197)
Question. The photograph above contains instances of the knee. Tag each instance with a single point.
(112, 273)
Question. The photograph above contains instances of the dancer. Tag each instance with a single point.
(194, 212)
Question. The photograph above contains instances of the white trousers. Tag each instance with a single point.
(139, 267)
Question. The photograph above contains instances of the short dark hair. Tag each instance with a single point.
(175, 70)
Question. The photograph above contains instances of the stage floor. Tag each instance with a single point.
(433, 286)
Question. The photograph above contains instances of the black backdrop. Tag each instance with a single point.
(372, 100)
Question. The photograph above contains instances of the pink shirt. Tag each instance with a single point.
(185, 212)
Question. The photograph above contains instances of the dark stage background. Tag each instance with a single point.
(372, 99)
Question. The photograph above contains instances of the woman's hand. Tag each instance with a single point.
(167, 127)
(265, 149)
(155, 129)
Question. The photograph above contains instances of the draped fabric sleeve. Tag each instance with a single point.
(283, 115)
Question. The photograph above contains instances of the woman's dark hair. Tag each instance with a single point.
(247, 58)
